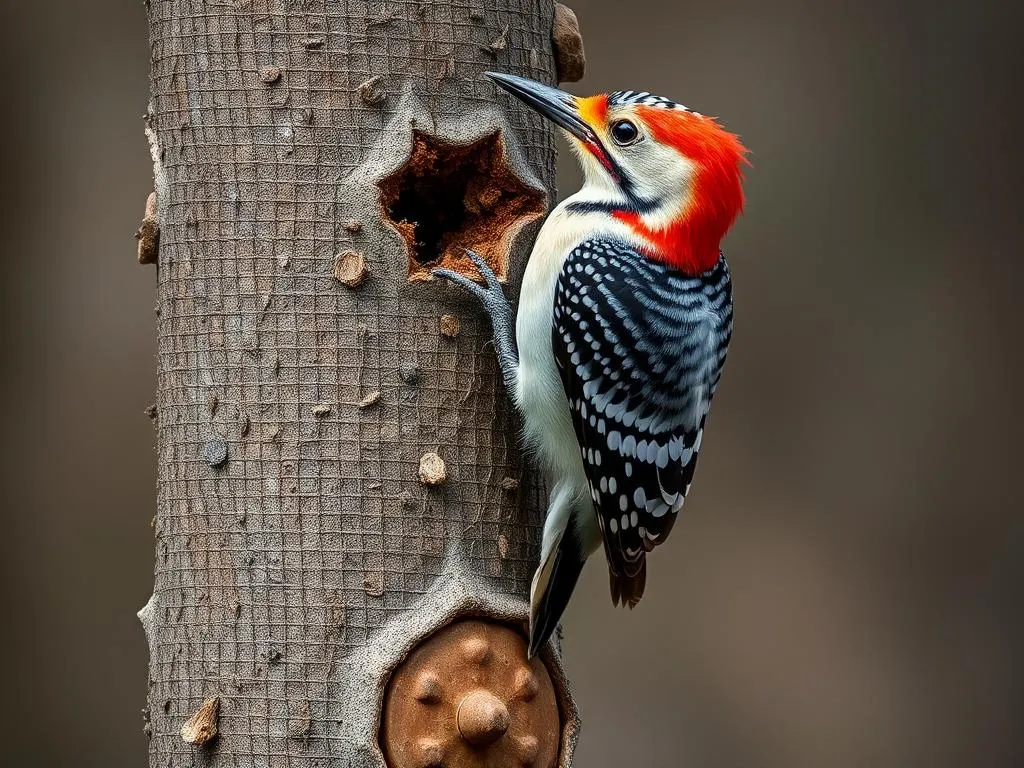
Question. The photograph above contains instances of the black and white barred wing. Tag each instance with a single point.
(640, 348)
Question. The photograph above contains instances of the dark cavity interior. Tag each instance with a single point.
(449, 197)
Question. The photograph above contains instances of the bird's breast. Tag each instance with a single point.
(540, 396)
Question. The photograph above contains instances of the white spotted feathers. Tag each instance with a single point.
(640, 347)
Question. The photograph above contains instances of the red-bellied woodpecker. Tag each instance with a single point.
(624, 321)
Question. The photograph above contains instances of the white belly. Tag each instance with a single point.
(539, 396)
(548, 428)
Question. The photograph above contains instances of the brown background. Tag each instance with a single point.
(845, 588)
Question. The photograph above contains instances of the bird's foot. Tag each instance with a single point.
(492, 296)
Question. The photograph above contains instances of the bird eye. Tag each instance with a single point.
(624, 132)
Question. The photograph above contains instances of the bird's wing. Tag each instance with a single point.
(640, 348)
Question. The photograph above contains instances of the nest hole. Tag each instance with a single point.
(451, 197)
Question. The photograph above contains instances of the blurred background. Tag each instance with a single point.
(846, 588)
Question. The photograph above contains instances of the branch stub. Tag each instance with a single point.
(570, 62)
(201, 728)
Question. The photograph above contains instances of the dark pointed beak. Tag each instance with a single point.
(558, 106)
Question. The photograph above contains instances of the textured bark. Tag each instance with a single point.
(299, 555)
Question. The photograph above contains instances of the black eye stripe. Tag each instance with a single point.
(624, 132)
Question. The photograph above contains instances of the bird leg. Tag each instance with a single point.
(503, 321)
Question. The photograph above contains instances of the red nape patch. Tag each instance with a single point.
(692, 242)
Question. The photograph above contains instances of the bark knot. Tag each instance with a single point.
(570, 62)
(148, 233)
(432, 469)
(201, 728)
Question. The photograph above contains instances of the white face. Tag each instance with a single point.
(653, 172)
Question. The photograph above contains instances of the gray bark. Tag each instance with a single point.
(298, 554)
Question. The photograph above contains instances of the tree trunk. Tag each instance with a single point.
(312, 161)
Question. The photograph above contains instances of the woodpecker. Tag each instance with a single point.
(624, 321)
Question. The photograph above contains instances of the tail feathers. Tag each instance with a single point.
(552, 587)
(627, 588)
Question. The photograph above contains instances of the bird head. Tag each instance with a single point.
(672, 175)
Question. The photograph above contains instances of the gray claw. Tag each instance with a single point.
(462, 280)
(485, 270)
(497, 306)
(492, 297)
